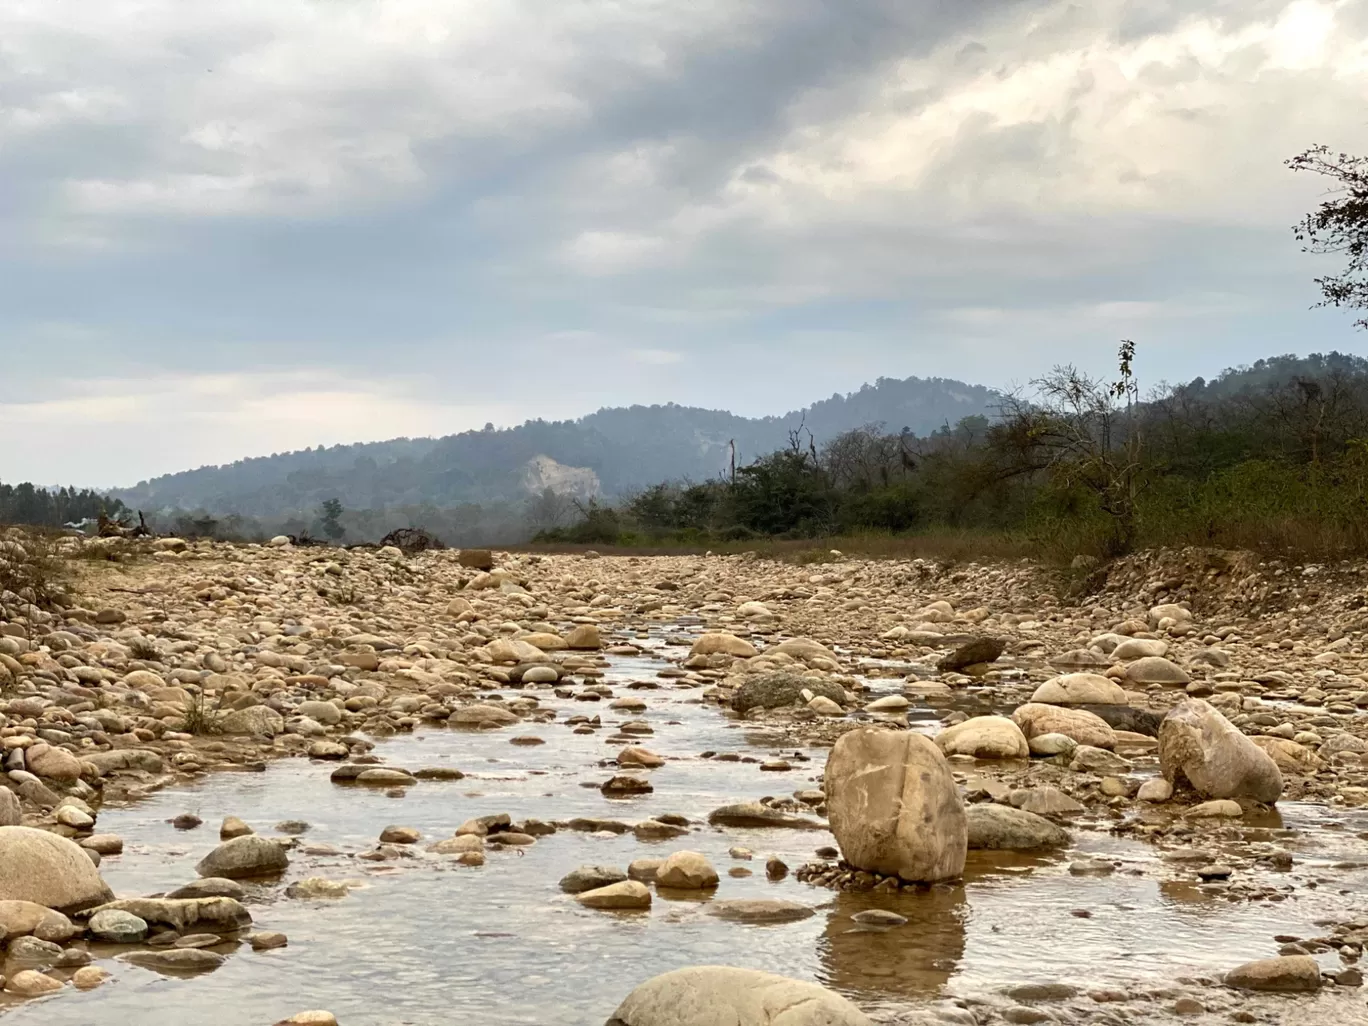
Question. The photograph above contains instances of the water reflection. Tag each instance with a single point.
(913, 961)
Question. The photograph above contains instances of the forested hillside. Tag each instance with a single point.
(625, 448)
(1272, 457)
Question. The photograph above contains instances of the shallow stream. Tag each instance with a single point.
(426, 942)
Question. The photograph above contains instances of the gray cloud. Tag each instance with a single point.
(416, 216)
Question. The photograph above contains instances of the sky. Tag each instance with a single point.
(231, 229)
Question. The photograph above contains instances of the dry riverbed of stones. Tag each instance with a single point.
(1174, 700)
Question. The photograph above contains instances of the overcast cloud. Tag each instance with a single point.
(231, 229)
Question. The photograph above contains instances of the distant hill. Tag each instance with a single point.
(609, 453)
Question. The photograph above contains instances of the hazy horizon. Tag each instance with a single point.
(231, 231)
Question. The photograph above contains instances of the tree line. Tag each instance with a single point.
(28, 504)
(1269, 456)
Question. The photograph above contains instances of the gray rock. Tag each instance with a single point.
(1126, 717)
(117, 927)
(256, 720)
(589, 878)
(759, 815)
(1000, 827)
(978, 650)
(244, 857)
(33, 951)
(11, 813)
(773, 690)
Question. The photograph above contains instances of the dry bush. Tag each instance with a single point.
(33, 565)
(144, 648)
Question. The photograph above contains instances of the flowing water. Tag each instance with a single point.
(427, 942)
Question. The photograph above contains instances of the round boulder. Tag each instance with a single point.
(686, 870)
(117, 927)
(1156, 670)
(48, 870)
(1080, 689)
(984, 737)
(1036, 719)
(244, 857)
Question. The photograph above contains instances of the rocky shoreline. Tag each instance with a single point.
(1174, 701)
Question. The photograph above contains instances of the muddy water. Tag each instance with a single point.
(425, 942)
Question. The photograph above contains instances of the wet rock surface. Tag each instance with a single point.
(747, 711)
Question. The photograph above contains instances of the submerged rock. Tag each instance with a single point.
(758, 910)
(175, 961)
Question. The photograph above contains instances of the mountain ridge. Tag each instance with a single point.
(622, 448)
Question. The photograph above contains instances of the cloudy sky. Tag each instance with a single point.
(229, 229)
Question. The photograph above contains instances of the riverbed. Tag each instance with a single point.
(424, 941)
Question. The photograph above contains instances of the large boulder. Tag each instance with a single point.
(244, 857)
(773, 690)
(48, 870)
(1199, 745)
(1080, 689)
(984, 737)
(711, 995)
(1003, 828)
(894, 806)
(1037, 718)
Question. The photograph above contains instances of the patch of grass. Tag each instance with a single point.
(201, 719)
